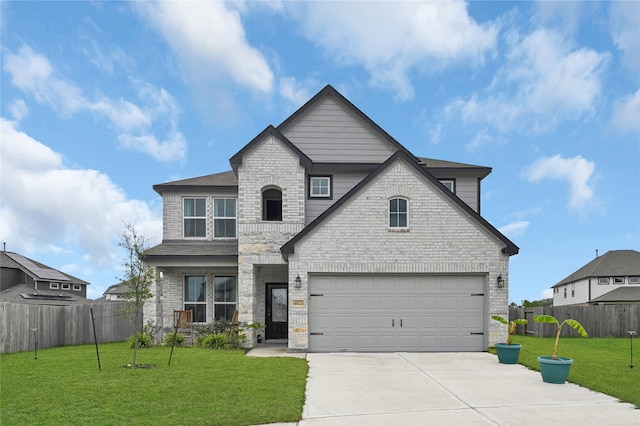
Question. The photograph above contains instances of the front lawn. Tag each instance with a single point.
(601, 364)
(202, 386)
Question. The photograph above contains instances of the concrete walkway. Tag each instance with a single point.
(447, 389)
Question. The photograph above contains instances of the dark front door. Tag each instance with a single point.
(277, 312)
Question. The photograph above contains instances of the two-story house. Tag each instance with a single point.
(613, 277)
(337, 238)
(28, 281)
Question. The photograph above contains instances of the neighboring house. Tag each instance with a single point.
(116, 292)
(613, 277)
(337, 238)
(24, 280)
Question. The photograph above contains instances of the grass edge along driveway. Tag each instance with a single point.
(600, 364)
(202, 386)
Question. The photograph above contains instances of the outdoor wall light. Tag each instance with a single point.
(297, 283)
(500, 281)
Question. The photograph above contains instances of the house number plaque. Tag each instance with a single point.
(297, 302)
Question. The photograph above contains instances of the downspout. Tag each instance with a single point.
(589, 290)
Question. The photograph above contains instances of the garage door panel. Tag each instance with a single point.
(365, 302)
(344, 302)
(386, 301)
(449, 302)
(406, 302)
(396, 313)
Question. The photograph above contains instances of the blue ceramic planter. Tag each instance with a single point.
(508, 354)
(554, 370)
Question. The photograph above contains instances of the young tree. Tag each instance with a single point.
(137, 277)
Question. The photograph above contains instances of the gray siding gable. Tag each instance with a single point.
(330, 129)
(510, 248)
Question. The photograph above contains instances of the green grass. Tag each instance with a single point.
(202, 386)
(601, 364)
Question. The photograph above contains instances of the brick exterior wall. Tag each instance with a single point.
(440, 240)
(270, 164)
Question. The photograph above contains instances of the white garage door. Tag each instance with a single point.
(365, 313)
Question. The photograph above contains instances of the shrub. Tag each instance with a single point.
(214, 341)
(144, 341)
(180, 341)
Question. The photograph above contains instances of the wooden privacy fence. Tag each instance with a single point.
(60, 325)
(598, 320)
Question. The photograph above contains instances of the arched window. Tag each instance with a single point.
(272, 205)
(398, 213)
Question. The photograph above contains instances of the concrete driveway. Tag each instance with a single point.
(447, 389)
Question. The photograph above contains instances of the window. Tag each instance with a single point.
(634, 280)
(618, 280)
(66, 286)
(225, 295)
(565, 291)
(603, 281)
(450, 184)
(224, 218)
(320, 187)
(573, 290)
(77, 287)
(398, 217)
(272, 205)
(195, 222)
(54, 286)
(195, 296)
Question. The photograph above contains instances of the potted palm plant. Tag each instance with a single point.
(555, 369)
(508, 353)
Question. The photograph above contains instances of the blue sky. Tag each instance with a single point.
(102, 100)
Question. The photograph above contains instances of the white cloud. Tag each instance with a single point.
(47, 207)
(296, 92)
(624, 27)
(626, 114)
(210, 40)
(515, 228)
(392, 39)
(576, 171)
(545, 81)
(33, 73)
(19, 110)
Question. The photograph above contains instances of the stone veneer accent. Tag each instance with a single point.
(268, 164)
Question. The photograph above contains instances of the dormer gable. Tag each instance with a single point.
(236, 160)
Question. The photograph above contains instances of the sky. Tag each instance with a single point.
(102, 100)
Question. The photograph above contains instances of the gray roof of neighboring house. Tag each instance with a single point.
(27, 294)
(612, 263)
(620, 295)
(180, 249)
(37, 270)
(120, 288)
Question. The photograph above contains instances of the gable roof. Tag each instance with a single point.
(620, 295)
(612, 263)
(509, 249)
(39, 271)
(120, 288)
(236, 160)
(329, 91)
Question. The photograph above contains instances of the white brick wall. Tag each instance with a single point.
(441, 239)
(269, 164)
